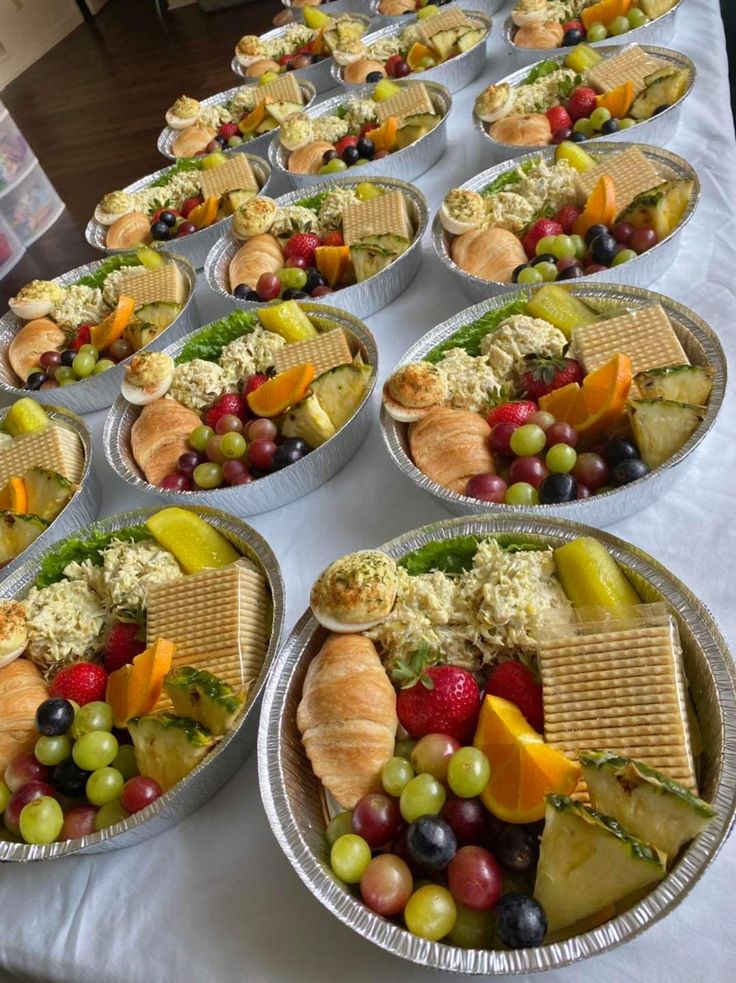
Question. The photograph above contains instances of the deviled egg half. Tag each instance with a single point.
(113, 206)
(462, 211)
(147, 378)
(37, 299)
(185, 112)
(355, 592)
(495, 102)
(254, 218)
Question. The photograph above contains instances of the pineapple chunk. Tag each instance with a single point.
(168, 747)
(48, 493)
(280, 110)
(683, 383)
(655, 8)
(309, 421)
(662, 426)
(470, 39)
(202, 697)
(661, 207)
(17, 532)
(663, 88)
(340, 391)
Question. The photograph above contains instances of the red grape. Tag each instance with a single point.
(531, 469)
(234, 469)
(176, 481)
(562, 433)
(261, 452)
(188, 462)
(139, 792)
(120, 350)
(25, 794)
(79, 821)
(25, 769)
(376, 818)
(242, 479)
(49, 360)
(621, 232)
(591, 470)
(265, 429)
(594, 268)
(323, 291)
(466, 818)
(583, 491)
(229, 422)
(298, 261)
(214, 453)
(501, 437)
(431, 755)
(486, 487)
(474, 878)
(268, 286)
(386, 885)
(642, 239)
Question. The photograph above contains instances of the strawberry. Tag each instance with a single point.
(228, 130)
(567, 217)
(559, 118)
(82, 682)
(253, 382)
(287, 59)
(517, 411)
(436, 699)
(333, 239)
(348, 141)
(82, 337)
(514, 682)
(541, 228)
(581, 103)
(303, 244)
(125, 641)
(229, 403)
(190, 204)
(573, 25)
(545, 374)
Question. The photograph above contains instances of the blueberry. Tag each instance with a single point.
(576, 137)
(517, 271)
(595, 230)
(619, 449)
(520, 921)
(350, 155)
(570, 272)
(35, 380)
(543, 258)
(374, 76)
(431, 842)
(69, 779)
(168, 218)
(297, 443)
(611, 126)
(366, 147)
(314, 280)
(328, 155)
(572, 37)
(68, 356)
(54, 717)
(287, 453)
(291, 293)
(629, 470)
(603, 249)
(160, 230)
(241, 291)
(556, 487)
(516, 848)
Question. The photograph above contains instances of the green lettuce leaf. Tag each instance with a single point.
(314, 202)
(108, 266)
(84, 547)
(208, 343)
(470, 335)
(453, 556)
(544, 68)
(507, 179)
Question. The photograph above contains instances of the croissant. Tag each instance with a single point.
(128, 230)
(261, 254)
(393, 8)
(21, 691)
(158, 437)
(545, 35)
(33, 339)
(530, 130)
(347, 717)
(451, 446)
(309, 159)
(193, 140)
(491, 254)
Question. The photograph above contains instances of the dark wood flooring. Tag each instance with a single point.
(93, 106)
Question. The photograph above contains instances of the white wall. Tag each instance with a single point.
(29, 28)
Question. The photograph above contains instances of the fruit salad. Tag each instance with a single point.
(482, 796)
(70, 333)
(425, 43)
(563, 23)
(117, 692)
(42, 462)
(564, 216)
(550, 398)
(192, 195)
(333, 239)
(389, 118)
(587, 94)
(231, 120)
(298, 45)
(248, 395)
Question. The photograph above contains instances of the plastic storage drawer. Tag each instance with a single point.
(16, 157)
(31, 205)
(11, 248)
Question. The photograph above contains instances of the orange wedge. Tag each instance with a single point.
(111, 328)
(618, 101)
(251, 121)
(14, 496)
(600, 208)
(604, 12)
(598, 404)
(416, 53)
(523, 768)
(317, 44)
(206, 213)
(281, 392)
(384, 136)
(134, 690)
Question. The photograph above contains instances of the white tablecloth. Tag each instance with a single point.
(214, 899)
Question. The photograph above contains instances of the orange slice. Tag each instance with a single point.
(253, 119)
(111, 328)
(416, 53)
(600, 208)
(14, 496)
(317, 44)
(523, 768)
(618, 101)
(384, 136)
(134, 690)
(604, 12)
(281, 392)
(206, 213)
(560, 401)
(596, 406)
(332, 262)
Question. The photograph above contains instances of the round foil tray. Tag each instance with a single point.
(365, 7)
(487, 7)
(195, 247)
(657, 31)
(258, 145)
(360, 299)
(280, 487)
(292, 794)
(405, 164)
(320, 75)
(97, 391)
(657, 131)
(82, 507)
(638, 272)
(701, 345)
(455, 73)
(221, 763)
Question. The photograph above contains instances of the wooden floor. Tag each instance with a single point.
(92, 108)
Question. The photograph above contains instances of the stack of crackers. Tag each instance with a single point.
(325, 352)
(162, 286)
(55, 448)
(283, 89)
(646, 336)
(632, 65)
(631, 173)
(412, 100)
(384, 215)
(235, 174)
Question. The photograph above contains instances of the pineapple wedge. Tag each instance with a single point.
(663, 88)
(661, 207)
(683, 383)
(662, 426)
(340, 391)
(309, 421)
(48, 493)
(17, 532)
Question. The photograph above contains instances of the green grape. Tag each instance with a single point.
(636, 18)
(89, 350)
(292, 277)
(619, 25)
(600, 116)
(208, 475)
(430, 912)
(596, 32)
(232, 444)
(626, 123)
(5, 794)
(561, 458)
(62, 372)
(104, 365)
(530, 274)
(545, 245)
(199, 437)
(527, 439)
(69, 382)
(104, 785)
(422, 796)
(521, 493)
(84, 364)
(563, 247)
(583, 126)
(548, 271)
(349, 857)
(41, 820)
(93, 716)
(581, 247)
(427, 62)
(623, 257)
(52, 750)
(333, 166)
(109, 814)
(396, 775)
(404, 748)
(468, 772)
(339, 826)
(95, 750)
(472, 929)
(125, 762)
